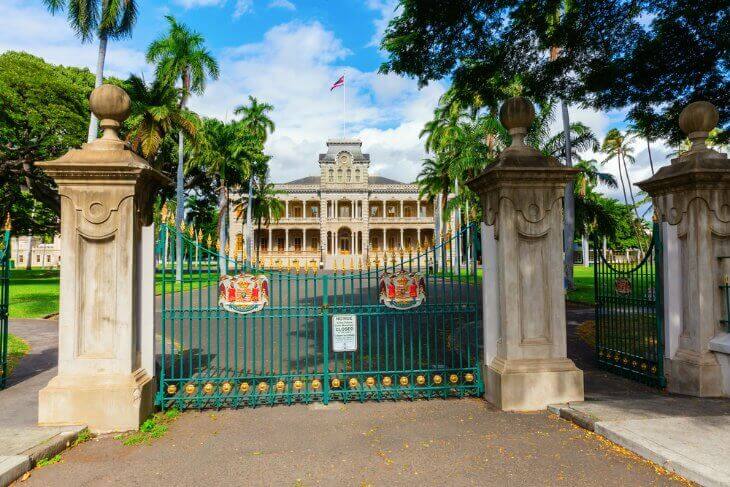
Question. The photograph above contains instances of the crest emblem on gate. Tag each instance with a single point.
(402, 290)
(243, 293)
(622, 286)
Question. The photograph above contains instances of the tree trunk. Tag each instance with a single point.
(28, 263)
(249, 209)
(180, 181)
(639, 237)
(222, 230)
(651, 161)
(586, 252)
(258, 242)
(569, 206)
(93, 122)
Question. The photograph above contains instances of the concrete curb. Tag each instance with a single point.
(12, 467)
(646, 448)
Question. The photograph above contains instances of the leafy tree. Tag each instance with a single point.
(43, 114)
(267, 206)
(105, 19)
(181, 54)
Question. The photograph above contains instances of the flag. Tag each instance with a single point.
(338, 83)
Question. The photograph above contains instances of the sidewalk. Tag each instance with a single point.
(22, 442)
(686, 435)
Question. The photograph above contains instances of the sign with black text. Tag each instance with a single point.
(344, 333)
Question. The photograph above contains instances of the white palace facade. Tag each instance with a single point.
(344, 212)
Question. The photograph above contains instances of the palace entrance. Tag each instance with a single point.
(400, 325)
(343, 241)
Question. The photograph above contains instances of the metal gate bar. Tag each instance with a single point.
(4, 302)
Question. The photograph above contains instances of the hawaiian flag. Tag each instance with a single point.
(338, 83)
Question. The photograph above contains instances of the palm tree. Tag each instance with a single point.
(156, 113)
(266, 207)
(181, 54)
(108, 19)
(256, 123)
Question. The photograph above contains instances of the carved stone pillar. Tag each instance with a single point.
(526, 367)
(692, 195)
(106, 193)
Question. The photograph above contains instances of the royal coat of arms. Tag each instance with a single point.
(243, 293)
(402, 290)
(622, 286)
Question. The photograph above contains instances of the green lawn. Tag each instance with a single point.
(583, 293)
(34, 293)
(17, 348)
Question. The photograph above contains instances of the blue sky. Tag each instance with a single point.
(288, 53)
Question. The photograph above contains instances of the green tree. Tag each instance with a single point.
(105, 20)
(156, 114)
(181, 54)
(43, 114)
(266, 208)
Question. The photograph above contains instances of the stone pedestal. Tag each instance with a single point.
(106, 198)
(526, 367)
(692, 196)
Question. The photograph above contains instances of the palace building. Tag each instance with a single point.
(342, 212)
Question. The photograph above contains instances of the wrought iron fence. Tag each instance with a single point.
(4, 302)
(629, 324)
(280, 349)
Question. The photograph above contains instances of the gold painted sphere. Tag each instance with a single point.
(245, 387)
(336, 383)
(370, 381)
(190, 388)
(208, 388)
(316, 384)
(420, 380)
(263, 386)
(469, 377)
(437, 379)
(353, 382)
(298, 385)
(280, 385)
(453, 378)
(403, 380)
(387, 381)
(171, 389)
(226, 387)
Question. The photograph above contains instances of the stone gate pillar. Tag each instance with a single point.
(106, 193)
(692, 196)
(526, 367)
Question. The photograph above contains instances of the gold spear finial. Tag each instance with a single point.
(182, 226)
(8, 223)
(191, 231)
(200, 235)
(727, 279)
(210, 241)
(218, 246)
(352, 264)
(227, 248)
(163, 212)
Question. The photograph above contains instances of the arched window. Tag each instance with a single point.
(357, 175)
(339, 175)
(332, 175)
(349, 175)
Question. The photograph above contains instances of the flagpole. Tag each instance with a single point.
(344, 104)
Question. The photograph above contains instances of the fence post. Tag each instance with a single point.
(692, 196)
(107, 192)
(527, 368)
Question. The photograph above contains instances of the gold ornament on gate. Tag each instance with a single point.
(420, 380)
(298, 385)
(387, 381)
(469, 377)
(370, 381)
(316, 384)
(244, 388)
(208, 388)
(437, 379)
(280, 385)
(171, 389)
(190, 388)
(403, 380)
(263, 386)
(226, 387)
(335, 383)
(453, 378)
(353, 382)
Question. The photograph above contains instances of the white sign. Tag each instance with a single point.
(344, 333)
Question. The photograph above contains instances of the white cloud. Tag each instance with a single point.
(285, 4)
(242, 7)
(293, 68)
(33, 29)
(387, 10)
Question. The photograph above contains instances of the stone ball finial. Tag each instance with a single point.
(517, 114)
(697, 121)
(112, 106)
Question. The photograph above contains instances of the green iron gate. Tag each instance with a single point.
(4, 301)
(629, 323)
(321, 335)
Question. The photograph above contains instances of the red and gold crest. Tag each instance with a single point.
(243, 293)
(622, 286)
(402, 290)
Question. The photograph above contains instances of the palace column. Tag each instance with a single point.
(418, 208)
(526, 367)
(286, 240)
(401, 236)
(691, 199)
(286, 208)
(270, 245)
(418, 235)
(401, 213)
(385, 239)
(107, 192)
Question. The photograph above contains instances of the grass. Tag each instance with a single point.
(33, 293)
(17, 348)
(153, 428)
(44, 462)
(583, 278)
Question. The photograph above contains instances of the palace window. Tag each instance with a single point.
(349, 175)
(373, 211)
(315, 211)
(339, 175)
(332, 175)
(357, 175)
(406, 211)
